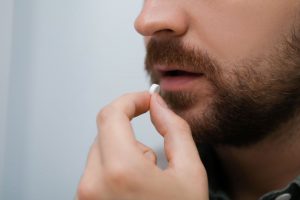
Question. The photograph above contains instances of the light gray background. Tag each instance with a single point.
(60, 62)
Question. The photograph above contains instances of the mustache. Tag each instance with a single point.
(172, 52)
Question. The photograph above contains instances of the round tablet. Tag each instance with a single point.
(154, 88)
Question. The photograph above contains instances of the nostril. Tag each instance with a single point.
(164, 32)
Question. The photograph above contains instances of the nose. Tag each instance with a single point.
(159, 16)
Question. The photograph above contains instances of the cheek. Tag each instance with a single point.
(233, 30)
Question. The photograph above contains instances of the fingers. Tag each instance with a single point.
(180, 148)
(116, 138)
(119, 167)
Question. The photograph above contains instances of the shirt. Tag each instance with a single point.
(217, 180)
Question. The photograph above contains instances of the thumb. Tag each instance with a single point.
(179, 145)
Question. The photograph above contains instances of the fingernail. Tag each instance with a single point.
(160, 101)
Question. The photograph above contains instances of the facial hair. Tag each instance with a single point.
(250, 102)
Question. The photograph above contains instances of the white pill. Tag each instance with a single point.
(154, 89)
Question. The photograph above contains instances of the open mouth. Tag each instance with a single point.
(178, 79)
(178, 73)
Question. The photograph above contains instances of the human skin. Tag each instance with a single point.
(119, 167)
(231, 31)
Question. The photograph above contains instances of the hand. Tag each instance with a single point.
(121, 168)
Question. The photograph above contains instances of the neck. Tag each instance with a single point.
(266, 166)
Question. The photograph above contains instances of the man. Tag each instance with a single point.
(229, 72)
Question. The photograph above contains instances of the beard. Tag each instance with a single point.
(250, 102)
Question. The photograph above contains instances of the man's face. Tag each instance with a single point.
(231, 68)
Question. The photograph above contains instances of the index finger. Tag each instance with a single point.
(116, 135)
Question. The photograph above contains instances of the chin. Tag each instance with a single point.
(194, 112)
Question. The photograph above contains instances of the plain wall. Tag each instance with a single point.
(6, 20)
(68, 59)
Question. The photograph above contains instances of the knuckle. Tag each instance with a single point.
(113, 108)
(104, 113)
(117, 175)
(87, 191)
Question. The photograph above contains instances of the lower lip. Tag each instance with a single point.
(175, 83)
